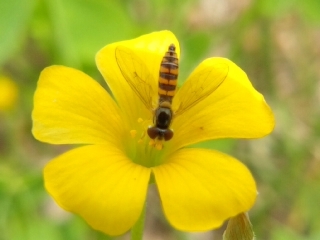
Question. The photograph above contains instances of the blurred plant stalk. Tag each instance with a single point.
(239, 228)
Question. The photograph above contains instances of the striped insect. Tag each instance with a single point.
(168, 77)
(142, 82)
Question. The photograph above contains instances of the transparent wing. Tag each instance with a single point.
(207, 81)
(137, 75)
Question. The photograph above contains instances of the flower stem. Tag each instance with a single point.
(137, 229)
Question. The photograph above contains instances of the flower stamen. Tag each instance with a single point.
(152, 142)
(133, 133)
(156, 143)
(142, 137)
(159, 145)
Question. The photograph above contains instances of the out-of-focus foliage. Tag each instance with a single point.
(275, 42)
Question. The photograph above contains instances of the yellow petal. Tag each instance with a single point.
(233, 110)
(101, 185)
(149, 49)
(70, 107)
(200, 189)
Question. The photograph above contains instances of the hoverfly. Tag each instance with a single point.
(141, 81)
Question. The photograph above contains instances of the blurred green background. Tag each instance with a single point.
(276, 42)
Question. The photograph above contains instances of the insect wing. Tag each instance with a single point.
(136, 74)
(202, 84)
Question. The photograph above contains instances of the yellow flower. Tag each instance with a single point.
(8, 93)
(106, 180)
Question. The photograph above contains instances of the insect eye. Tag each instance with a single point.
(172, 47)
(168, 134)
(153, 132)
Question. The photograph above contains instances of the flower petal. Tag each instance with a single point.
(200, 189)
(100, 184)
(70, 107)
(149, 49)
(233, 110)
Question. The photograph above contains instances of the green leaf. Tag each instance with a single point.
(223, 145)
(194, 49)
(274, 8)
(310, 10)
(14, 20)
(82, 27)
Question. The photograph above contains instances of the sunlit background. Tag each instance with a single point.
(277, 43)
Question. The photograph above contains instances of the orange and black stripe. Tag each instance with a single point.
(168, 76)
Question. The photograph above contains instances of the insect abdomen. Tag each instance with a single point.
(168, 76)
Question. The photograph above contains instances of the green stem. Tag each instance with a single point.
(137, 229)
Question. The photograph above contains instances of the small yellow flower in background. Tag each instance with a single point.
(106, 180)
(8, 93)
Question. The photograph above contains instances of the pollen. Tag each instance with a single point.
(133, 133)
(157, 144)
(140, 120)
(152, 142)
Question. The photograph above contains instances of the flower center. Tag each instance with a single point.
(143, 150)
